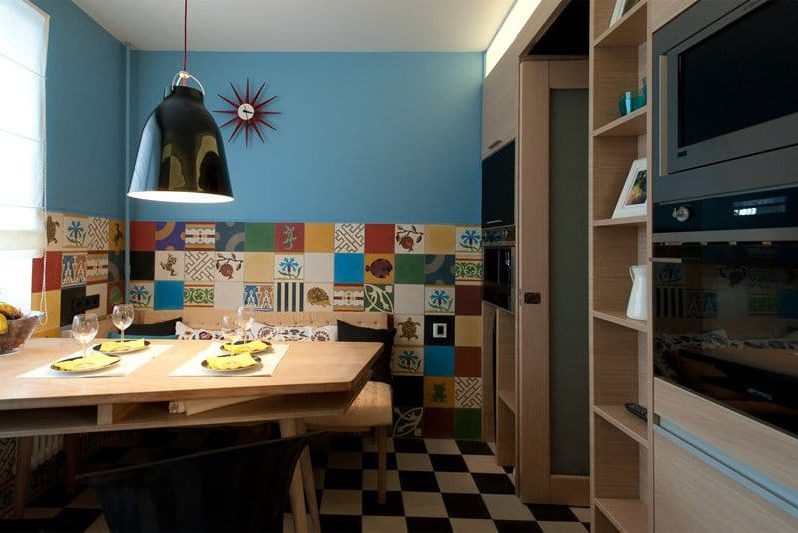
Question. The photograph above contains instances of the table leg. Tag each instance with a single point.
(22, 482)
(288, 429)
(71, 448)
(308, 482)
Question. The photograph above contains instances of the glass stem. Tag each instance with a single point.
(122, 334)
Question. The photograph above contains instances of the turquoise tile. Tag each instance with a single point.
(349, 268)
(438, 360)
(168, 295)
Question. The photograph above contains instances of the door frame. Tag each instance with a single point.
(534, 480)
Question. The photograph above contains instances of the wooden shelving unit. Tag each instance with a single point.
(620, 368)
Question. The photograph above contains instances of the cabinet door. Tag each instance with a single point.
(500, 106)
(498, 188)
(693, 494)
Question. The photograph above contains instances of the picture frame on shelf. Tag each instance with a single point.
(633, 200)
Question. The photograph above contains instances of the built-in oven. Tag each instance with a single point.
(725, 301)
(498, 262)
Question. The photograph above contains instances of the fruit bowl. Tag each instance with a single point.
(19, 331)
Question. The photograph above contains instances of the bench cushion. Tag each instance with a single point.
(371, 408)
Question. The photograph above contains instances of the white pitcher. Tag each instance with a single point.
(638, 299)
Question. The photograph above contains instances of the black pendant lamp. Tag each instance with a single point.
(181, 151)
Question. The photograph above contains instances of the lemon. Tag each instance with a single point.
(3, 324)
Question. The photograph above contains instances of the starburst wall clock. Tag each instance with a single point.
(250, 113)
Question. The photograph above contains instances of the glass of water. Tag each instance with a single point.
(84, 329)
(122, 317)
(246, 318)
(230, 324)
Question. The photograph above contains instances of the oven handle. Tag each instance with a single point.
(737, 235)
(671, 260)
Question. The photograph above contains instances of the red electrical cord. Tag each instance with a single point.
(185, 39)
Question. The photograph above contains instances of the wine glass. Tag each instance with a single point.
(230, 325)
(246, 318)
(122, 317)
(84, 329)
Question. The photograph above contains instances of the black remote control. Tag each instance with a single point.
(636, 409)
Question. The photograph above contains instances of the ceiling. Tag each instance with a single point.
(303, 25)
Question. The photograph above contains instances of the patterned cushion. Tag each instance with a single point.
(186, 333)
(268, 332)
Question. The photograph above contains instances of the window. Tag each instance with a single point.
(23, 60)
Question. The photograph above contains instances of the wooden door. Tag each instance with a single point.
(535, 481)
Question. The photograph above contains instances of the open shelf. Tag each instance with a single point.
(626, 221)
(619, 318)
(508, 398)
(630, 125)
(629, 30)
(628, 515)
(618, 416)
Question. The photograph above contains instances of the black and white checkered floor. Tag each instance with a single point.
(433, 485)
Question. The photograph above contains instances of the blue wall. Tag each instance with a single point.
(364, 137)
(85, 114)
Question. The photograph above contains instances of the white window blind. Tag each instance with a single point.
(23, 61)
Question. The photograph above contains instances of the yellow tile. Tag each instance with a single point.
(259, 266)
(468, 331)
(438, 391)
(439, 239)
(375, 264)
(319, 237)
(53, 317)
(116, 234)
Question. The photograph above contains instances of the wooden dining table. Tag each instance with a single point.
(313, 379)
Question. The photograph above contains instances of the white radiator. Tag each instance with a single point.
(45, 448)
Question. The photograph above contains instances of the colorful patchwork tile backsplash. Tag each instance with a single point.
(85, 257)
(428, 277)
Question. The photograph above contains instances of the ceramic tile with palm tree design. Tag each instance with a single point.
(140, 294)
(408, 360)
(469, 239)
(439, 299)
(75, 232)
(289, 267)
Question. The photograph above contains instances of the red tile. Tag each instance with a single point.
(438, 422)
(468, 300)
(142, 236)
(289, 237)
(379, 238)
(468, 362)
(53, 273)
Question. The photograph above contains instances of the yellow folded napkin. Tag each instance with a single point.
(251, 346)
(119, 346)
(231, 362)
(92, 360)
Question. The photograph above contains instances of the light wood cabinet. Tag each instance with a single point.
(693, 493)
(500, 105)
